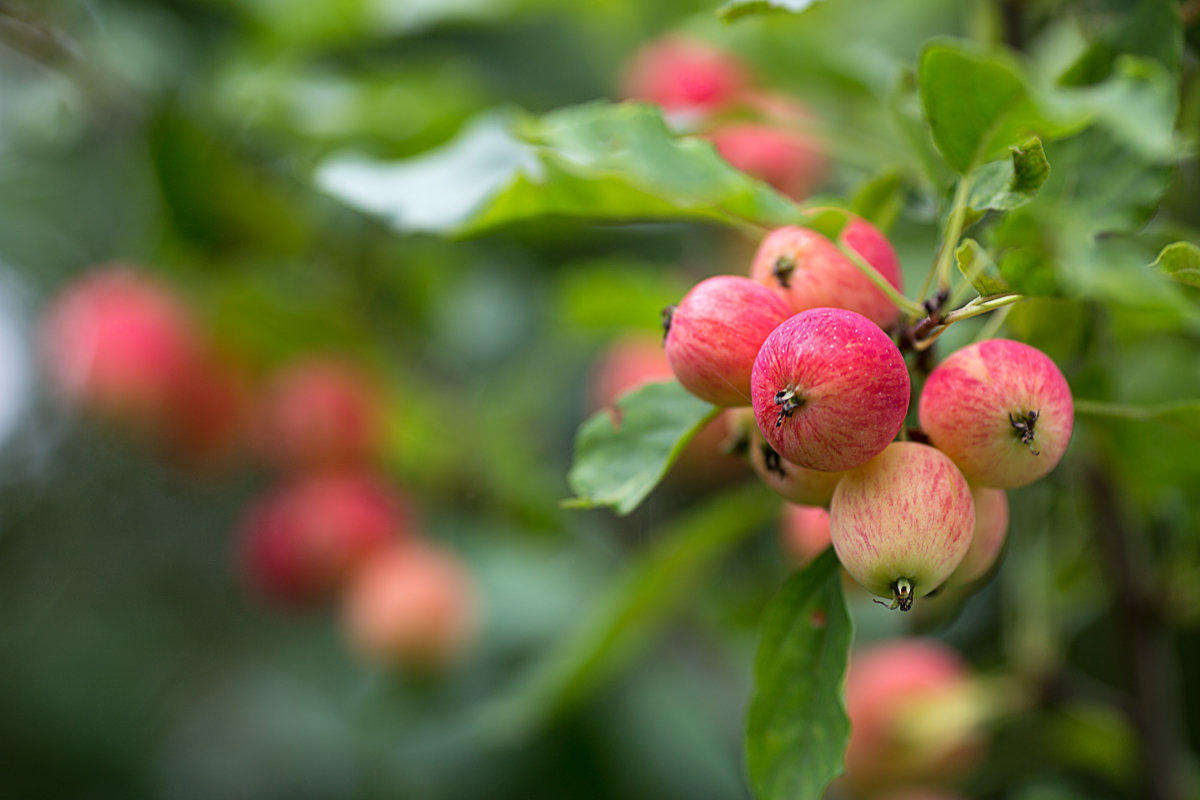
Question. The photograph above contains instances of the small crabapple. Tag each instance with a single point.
(902, 522)
(991, 527)
(714, 335)
(804, 532)
(1001, 410)
(829, 389)
(791, 162)
(684, 75)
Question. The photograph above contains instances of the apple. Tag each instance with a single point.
(321, 412)
(302, 540)
(829, 389)
(991, 529)
(902, 522)
(809, 271)
(807, 487)
(790, 161)
(915, 715)
(714, 335)
(1001, 409)
(412, 605)
(804, 532)
(684, 75)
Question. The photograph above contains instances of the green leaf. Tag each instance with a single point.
(980, 271)
(1012, 182)
(595, 161)
(881, 199)
(797, 727)
(620, 456)
(1180, 262)
(736, 9)
(1182, 416)
(635, 605)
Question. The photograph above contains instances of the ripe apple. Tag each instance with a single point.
(790, 161)
(902, 522)
(321, 412)
(302, 540)
(118, 343)
(804, 532)
(1001, 409)
(829, 389)
(809, 271)
(410, 604)
(914, 715)
(684, 75)
(796, 484)
(991, 529)
(714, 335)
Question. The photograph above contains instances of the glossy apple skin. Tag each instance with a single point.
(910, 706)
(684, 75)
(850, 379)
(302, 540)
(791, 162)
(809, 271)
(410, 605)
(715, 333)
(905, 514)
(804, 532)
(119, 343)
(967, 401)
(991, 529)
(319, 413)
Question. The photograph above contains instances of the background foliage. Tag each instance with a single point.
(446, 191)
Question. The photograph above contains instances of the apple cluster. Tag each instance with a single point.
(803, 343)
(710, 93)
(123, 346)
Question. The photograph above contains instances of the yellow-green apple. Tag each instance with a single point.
(991, 529)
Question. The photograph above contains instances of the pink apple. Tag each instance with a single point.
(902, 522)
(410, 605)
(321, 412)
(829, 389)
(301, 541)
(208, 417)
(682, 74)
(914, 715)
(807, 487)
(1001, 409)
(118, 342)
(714, 335)
(991, 528)
(792, 162)
(804, 532)
(809, 270)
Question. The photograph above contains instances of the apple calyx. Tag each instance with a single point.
(782, 270)
(1023, 422)
(772, 460)
(790, 402)
(667, 314)
(902, 595)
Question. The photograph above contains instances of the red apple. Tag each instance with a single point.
(684, 75)
(790, 161)
(807, 487)
(1001, 409)
(914, 715)
(714, 335)
(902, 522)
(829, 389)
(804, 531)
(991, 527)
(410, 605)
(301, 541)
(320, 413)
(809, 271)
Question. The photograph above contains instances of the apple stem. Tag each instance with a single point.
(1023, 422)
(786, 398)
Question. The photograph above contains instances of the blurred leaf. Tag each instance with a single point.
(736, 9)
(1025, 250)
(977, 266)
(616, 296)
(1182, 416)
(621, 454)
(881, 199)
(1181, 262)
(1151, 29)
(797, 727)
(1012, 182)
(596, 161)
(635, 605)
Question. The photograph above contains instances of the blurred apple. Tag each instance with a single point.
(804, 532)
(684, 75)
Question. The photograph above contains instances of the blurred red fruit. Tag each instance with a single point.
(118, 343)
(683, 74)
(792, 162)
(410, 605)
(301, 541)
(319, 413)
(804, 532)
(208, 416)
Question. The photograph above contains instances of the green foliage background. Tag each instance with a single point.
(445, 191)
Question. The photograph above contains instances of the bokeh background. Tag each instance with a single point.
(136, 658)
